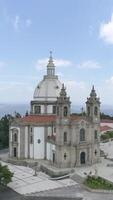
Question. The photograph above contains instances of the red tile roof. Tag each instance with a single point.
(105, 128)
(30, 119)
(106, 121)
(78, 118)
(39, 119)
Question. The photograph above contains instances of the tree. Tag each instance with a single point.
(4, 130)
(5, 175)
(17, 115)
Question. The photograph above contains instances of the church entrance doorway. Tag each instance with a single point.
(15, 153)
(82, 158)
(53, 157)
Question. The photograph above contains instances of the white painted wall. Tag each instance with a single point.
(18, 142)
(26, 142)
(50, 109)
(42, 109)
(31, 150)
(50, 149)
(49, 131)
(39, 147)
(10, 142)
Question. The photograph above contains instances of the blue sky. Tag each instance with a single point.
(80, 34)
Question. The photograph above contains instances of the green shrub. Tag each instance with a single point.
(107, 135)
(5, 175)
(98, 183)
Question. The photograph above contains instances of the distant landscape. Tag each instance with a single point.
(12, 108)
(22, 108)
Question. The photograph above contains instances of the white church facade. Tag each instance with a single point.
(51, 132)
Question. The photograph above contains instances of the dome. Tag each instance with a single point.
(49, 88)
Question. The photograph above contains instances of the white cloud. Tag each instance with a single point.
(28, 22)
(106, 31)
(72, 83)
(62, 63)
(19, 23)
(89, 64)
(41, 63)
(16, 22)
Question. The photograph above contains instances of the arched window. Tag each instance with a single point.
(95, 134)
(65, 111)
(88, 110)
(65, 136)
(65, 156)
(96, 110)
(82, 135)
(15, 137)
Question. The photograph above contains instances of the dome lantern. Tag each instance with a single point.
(50, 66)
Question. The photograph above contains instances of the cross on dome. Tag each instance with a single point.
(51, 55)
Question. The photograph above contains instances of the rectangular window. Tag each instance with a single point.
(54, 129)
(37, 109)
(96, 135)
(54, 109)
(15, 137)
(82, 135)
(31, 139)
(65, 137)
(15, 152)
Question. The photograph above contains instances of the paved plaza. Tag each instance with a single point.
(40, 186)
(103, 169)
(24, 181)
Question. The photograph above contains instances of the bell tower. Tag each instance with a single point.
(93, 107)
(63, 104)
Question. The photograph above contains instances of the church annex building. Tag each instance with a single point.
(51, 132)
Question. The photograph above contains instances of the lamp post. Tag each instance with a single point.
(35, 169)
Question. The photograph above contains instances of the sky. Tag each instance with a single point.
(78, 32)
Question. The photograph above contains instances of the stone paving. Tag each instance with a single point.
(40, 186)
(103, 169)
(107, 148)
(24, 181)
(76, 190)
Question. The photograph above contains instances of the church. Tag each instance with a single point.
(50, 132)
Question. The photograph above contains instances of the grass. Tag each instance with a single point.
(98, 183)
